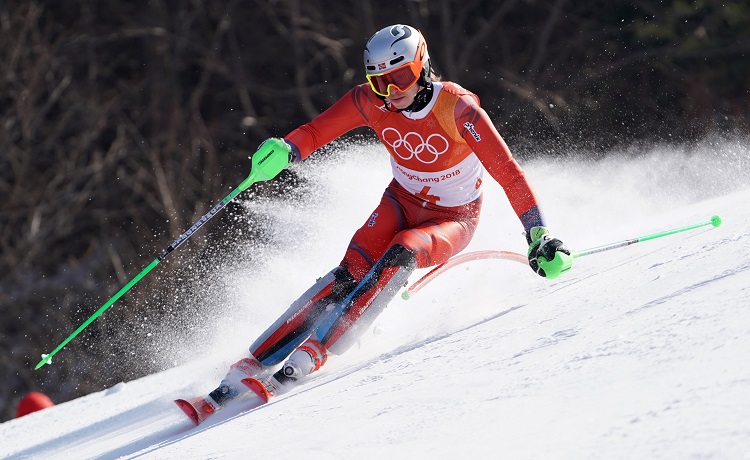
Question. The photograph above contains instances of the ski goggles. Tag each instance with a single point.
(402, 78)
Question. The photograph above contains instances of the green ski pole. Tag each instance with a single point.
(715, 221)
(562, 263)
(271, 158)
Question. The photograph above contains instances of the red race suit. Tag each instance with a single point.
(438, 156)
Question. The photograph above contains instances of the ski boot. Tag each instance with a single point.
(231, 387)
(306, 359)
(200, 408)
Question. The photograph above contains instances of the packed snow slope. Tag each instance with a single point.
(639, 352)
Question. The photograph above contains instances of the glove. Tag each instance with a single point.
(276, 143)
(548, 256)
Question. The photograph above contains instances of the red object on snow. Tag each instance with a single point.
(33, 402)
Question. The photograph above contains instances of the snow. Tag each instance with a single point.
(638, 352)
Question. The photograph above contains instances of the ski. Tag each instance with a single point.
(263, 385)
(197, 409)
(264, 388)
(200, 408)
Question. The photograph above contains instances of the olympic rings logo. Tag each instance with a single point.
(412, 145)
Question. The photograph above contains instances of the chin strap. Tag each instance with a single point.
(423, 97)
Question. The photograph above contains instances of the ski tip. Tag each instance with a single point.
(189, 410)
(257, 387)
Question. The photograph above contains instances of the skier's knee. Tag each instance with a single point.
(343, 283)
(399, 256)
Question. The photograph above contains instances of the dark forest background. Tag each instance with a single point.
(123, 122)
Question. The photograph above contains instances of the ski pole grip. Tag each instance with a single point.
(269, 160)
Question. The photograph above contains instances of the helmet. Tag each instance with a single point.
(396, 56)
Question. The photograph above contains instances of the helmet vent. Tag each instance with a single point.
(370, 67)
(397, 60)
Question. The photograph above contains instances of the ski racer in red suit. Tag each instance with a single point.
(440, 142)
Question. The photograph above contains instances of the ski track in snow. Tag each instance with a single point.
(638, 352)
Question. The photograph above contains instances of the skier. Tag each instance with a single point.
(440, 142)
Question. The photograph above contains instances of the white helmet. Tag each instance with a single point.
(396, 56)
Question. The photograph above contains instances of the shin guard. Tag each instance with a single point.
(300, 320)
(341, 328)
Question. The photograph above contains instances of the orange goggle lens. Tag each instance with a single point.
(402, 78)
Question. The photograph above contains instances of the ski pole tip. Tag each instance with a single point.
(715, 221)
(46, 359)
(405, 295)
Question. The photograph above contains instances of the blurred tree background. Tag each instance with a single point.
(122, 123)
